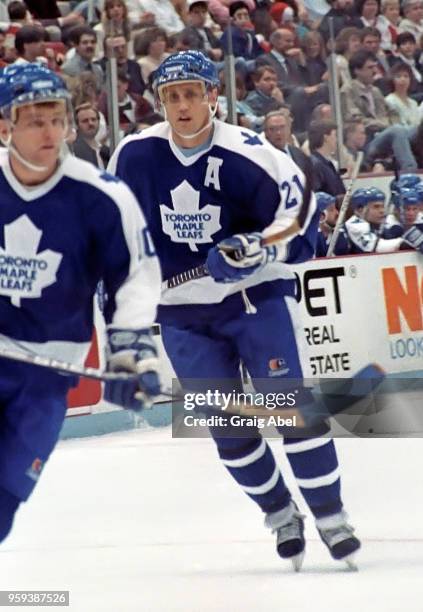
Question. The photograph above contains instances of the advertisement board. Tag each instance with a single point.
(355, 310)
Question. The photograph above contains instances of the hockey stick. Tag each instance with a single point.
(335, 396)
(63, 367)
(344, 206)
(292, 230)
(201, 271)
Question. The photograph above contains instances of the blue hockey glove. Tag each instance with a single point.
(414, 237)
(237, 257)
(132, 351)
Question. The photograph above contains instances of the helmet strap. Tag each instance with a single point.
(212, 113)
(7, 142)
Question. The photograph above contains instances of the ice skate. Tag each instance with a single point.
(338, 536)
(288, 524)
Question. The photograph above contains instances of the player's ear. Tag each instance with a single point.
(4, 130)
(213, 95)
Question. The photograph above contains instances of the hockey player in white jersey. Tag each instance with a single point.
(326, 203)
(200, 182)
(62, 228)
(368, 232)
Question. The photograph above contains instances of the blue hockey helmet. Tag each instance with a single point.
(186, 66)
(363, 196)
(358, 198)
(373, 194)
(406, 180)
(406, 197)
(29, 84)
(324, 200)
(419, 189)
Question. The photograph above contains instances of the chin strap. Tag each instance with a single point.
(13, 150)
(7, 142)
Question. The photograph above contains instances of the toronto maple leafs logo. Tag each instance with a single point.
(24, 273)
(187, 222)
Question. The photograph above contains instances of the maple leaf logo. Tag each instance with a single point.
(187, 222)
(24, 273)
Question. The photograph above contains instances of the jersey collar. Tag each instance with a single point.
(28, 194)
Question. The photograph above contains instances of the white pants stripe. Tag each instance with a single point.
(265, 487)
(319, 481)
(248, 459)
(306, 445)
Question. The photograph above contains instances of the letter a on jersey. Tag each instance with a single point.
(212, 172)
(24, 273)
(187, 222)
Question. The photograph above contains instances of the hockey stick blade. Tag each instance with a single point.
(331, 398)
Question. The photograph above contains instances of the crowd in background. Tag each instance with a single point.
(281, 54)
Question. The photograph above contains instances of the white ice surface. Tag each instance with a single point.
(140, 522)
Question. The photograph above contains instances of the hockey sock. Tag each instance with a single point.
(252, 464)
(315, 467)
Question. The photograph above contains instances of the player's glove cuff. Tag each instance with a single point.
(132, 351)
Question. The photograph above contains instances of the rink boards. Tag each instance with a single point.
(354, 310)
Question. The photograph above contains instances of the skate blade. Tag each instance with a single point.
(297, 561)
(351, 564)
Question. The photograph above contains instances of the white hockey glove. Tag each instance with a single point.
(237, 257)
(414, 237)
(132, 351)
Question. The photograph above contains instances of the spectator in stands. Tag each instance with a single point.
(277, 129)
(245, 115)
(19, 14)
(219, 10)
(155, 12)
(347, 43)
(114, 22)
(406, 54)
(354, 143)
(322, 137)
(280, 59)
(312, 64)
(203, 37)
(413, 17)
(83, 89)
(283, 58)
(266, 95)
(118, 47)
(399, 102)
(354, 138)
(132, 107)
(370, 41)
(29, 44)
(388, 24)
(150, 47)
(360, 99)
(244, 41)
(368, 11)
(86, 146)
(263, 24)
(84, 40)
(343, 17)
(48, 13)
